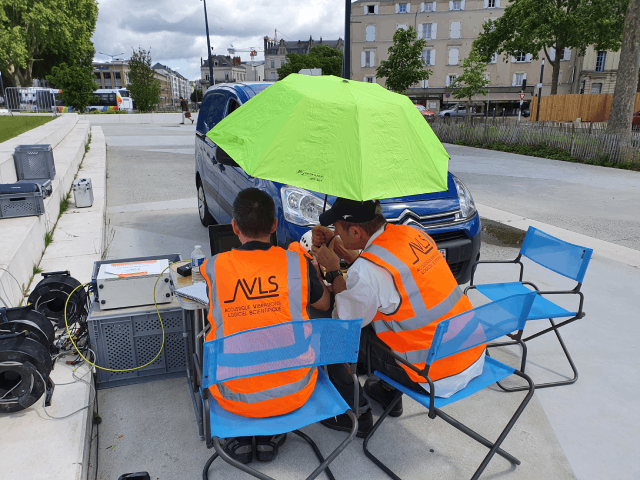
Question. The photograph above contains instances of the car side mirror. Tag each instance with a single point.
(224, 158)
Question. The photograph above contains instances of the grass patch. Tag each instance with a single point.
(12, 126)
(552, 153)
(48, 237)
(36, 270)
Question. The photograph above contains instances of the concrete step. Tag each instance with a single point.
(23, 239)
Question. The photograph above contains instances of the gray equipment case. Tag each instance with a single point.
(83, 192)
(23, 199)
(34, 162)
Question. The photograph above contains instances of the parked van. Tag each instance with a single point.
(449, 217)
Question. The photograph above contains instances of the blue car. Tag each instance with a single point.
(449, 217)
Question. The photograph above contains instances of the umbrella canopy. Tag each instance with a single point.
(339, 137)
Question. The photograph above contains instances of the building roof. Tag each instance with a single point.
(223, 61)
(159, 66)
(300, 46)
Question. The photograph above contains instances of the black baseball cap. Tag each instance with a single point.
(350, 211)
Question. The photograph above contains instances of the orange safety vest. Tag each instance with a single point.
(429, 294)
(253, 289)
(297, 247)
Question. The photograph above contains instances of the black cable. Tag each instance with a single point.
(96, 420)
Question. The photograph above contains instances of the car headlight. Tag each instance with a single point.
(467, 207)
(300, 206)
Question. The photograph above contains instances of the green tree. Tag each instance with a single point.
(624, 95)
(196, 95)
(35, 35)
(534, 26)
(321, 56)
(76, 82)
(405, 65)
(473, 81)
(143, 85)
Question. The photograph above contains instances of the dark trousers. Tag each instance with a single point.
(381, 360)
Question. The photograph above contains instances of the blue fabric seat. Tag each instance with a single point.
(454, 335)
(324, 402)
(277, 348)
(542, 308)
(566, 259)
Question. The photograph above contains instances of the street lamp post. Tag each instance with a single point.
(346, 59)
(206, 24)
(540, 90)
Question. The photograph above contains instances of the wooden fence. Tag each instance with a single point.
(586, 142)
(567, 108)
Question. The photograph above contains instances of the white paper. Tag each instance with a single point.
(151, 267)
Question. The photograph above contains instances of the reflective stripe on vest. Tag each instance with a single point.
(407, 331)
(252, 279)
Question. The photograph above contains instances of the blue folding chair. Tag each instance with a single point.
(564, 258)
(454, 335)
(270, 349)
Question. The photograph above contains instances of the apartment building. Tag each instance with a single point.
(178, 84)
(275, 53)
(449, 28)
(115, 74)
(598, 71)
(225, 69)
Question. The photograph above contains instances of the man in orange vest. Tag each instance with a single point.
(253, 286)
(402, 287)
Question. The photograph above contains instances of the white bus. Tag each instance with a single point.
(112, 99)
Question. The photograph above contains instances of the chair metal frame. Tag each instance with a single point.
(436, 412)
(517, 337)
(214, 441)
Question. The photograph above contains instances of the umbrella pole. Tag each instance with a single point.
(324, 207)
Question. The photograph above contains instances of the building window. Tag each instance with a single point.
(273, 76)
(596, 88)
(602, 58)
(518, 78)
(428, 30)
(424, 83)
(402, 8)
(273, 64)
(494, 58)
(453, 56)
(454, 30)
(451, 79)
(456, 5)
(521, 57)
(371, 33)
(371, 9)
(370, 79)
(429, 56)
(281, 62)
(367, 59)
(429, 7)
(491, 3)
(401, 26)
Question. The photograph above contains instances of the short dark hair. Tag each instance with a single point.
(370, 227)
(254, 212)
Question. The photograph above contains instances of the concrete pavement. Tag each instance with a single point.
(587, 430)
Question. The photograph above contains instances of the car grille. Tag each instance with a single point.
(456, 268)
(446, 236)
(428, 221)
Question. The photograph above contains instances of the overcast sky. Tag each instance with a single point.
(175, 29)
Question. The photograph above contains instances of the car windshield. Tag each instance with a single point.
(421, 108)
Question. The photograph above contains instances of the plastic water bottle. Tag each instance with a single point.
(197, 257)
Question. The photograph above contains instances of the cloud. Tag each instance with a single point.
(175, 30)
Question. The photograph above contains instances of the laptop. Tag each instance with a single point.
(222, 239)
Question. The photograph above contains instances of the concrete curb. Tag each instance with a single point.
(22, 239)
(621, 254)
(139, 118)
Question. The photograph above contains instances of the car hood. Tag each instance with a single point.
(421, 205)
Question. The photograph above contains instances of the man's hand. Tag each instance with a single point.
(326, 258)
(320, 235)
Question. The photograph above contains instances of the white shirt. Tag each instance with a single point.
(370, 289)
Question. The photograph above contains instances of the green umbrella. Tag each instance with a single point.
(339, 137)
